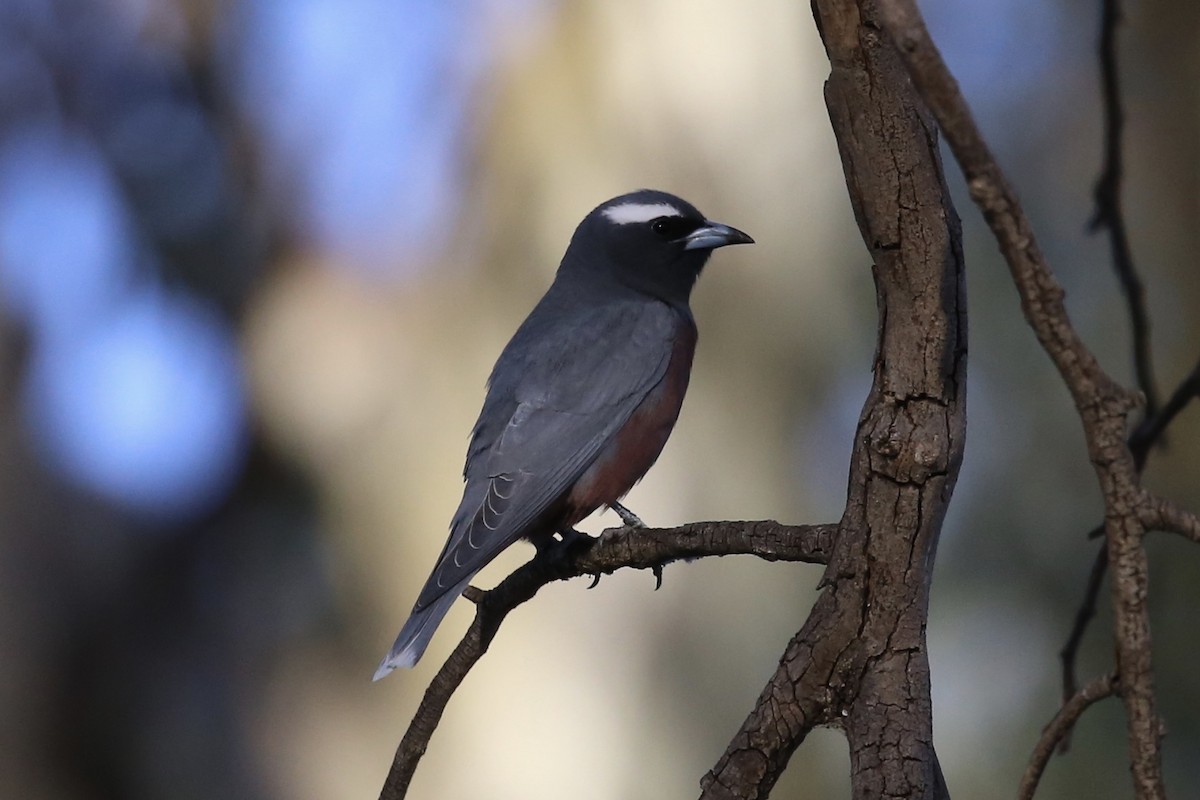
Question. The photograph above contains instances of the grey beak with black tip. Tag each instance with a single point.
(712, 235)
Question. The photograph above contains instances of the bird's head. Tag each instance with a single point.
(650, 241)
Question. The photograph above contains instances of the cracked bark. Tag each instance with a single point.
(617, 548)
(860, 661)
(1102, 404)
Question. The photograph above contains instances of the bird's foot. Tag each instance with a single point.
(630, 519)
(657, 569)
(561, 548)
(571, 539)
(570, 542)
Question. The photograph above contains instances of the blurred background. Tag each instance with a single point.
(258, 256)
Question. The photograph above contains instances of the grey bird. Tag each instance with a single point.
(582, 399)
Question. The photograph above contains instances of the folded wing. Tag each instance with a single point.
(561, 401)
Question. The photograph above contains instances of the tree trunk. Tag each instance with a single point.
(860, 661)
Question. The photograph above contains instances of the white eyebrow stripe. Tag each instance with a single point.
(627, 213)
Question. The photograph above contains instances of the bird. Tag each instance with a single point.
(583, 397)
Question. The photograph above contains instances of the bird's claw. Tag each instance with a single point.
(595, 581)
(630, 519)
(572, 539)
(657, 569)
(561, 551)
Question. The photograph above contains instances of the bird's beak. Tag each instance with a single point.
(712, 235)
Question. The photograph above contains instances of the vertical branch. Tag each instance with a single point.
(1109, 213)
(861, 660)
(1150, 431)
(1102, 404)
(1059, 729)
(1143, 438)
(1083, 617)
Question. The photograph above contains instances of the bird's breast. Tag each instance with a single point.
(637, 445)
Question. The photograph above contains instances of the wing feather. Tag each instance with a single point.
(573, 391)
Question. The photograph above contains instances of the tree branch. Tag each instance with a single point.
(1109, 213)
(1060, 728)
(616, 548)
(1141, 441)
(860, 659)
(1070, 651)
(1102, 404)
(1152, 428)
(1160, 514)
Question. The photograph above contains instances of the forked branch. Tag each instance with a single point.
(1101, 402)
(638, 548)
(1060, 728)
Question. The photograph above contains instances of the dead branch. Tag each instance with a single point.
(1101, 402)
(1141, 442)
(860, 660)
(1109, 212)
(617, 548)
(1059, 728)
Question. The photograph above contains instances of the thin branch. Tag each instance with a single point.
(1060, 728)
(650, 548)
(1146, 434)
(1160, 514)
(1109, 213)
(1141, 441)
(639, 548)
(1101, 401)
(1102, 404)
(1083, 616)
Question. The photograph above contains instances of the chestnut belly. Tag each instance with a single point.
(635, 448)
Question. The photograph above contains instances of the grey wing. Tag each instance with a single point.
(568, 404)
(561, 390)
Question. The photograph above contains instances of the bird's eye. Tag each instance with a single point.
(671, 228)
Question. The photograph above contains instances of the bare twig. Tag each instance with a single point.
(639, 548)
(1109, 213)
(1160, 514)
(1102, 404)
(1083, 616)
(1146, 434)
(1060, 728)
(1141, 441)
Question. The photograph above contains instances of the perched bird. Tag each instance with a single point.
(584, 396)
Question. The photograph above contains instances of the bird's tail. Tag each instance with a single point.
(415, 635)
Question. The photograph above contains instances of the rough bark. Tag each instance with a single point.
(860, 661)
(638, 548)
(1103, 404)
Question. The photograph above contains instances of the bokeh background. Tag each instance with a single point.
(258, 256)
